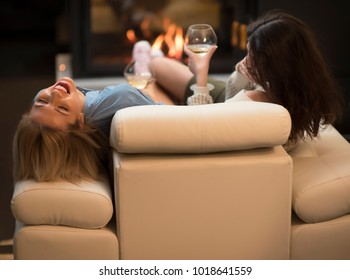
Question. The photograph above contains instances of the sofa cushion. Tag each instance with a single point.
(85, 205)
(321, 177)
(199, 129)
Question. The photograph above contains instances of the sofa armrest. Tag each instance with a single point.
(199, 129)
(321, 177)
(85, 205)
(228, 205)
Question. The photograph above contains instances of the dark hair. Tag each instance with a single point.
(286, 61)
(44, 154)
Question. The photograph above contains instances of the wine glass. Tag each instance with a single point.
(138, 74)
(200, 38)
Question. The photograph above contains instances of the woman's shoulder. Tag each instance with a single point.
(257, 95)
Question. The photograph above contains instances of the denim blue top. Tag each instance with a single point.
(100, 106)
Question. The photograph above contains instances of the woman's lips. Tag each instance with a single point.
(63, 86)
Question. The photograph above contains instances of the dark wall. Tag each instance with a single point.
(28, 44)
(330, 21)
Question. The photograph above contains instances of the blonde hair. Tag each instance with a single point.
(45, 154)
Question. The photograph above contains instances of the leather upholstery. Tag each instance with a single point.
(52, 242)
(86, 205)
(321, 181)
(199, 129)
(200, 182)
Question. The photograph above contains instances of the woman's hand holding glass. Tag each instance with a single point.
(199, 64)
(200, 45)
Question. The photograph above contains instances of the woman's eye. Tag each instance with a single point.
(42, 101)
(63, 108)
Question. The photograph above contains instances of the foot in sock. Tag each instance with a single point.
(141, 54)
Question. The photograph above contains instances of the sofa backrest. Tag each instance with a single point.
(199, 129)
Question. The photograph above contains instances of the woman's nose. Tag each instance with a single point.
(56, 94)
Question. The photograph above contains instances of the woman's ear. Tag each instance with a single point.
(81, 120)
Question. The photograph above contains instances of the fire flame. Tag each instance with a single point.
(171, 42)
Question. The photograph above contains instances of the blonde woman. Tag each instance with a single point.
(64, 136)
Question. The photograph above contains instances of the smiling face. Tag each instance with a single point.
(59, 106)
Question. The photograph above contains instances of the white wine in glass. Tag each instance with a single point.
(200, 38)
(138, 75)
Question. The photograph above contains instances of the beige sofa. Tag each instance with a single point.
(199, 182)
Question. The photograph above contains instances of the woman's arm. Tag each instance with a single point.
(199, 65)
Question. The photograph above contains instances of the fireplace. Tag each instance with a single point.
(104, 31)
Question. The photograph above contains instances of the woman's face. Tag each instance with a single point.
(59, 106)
